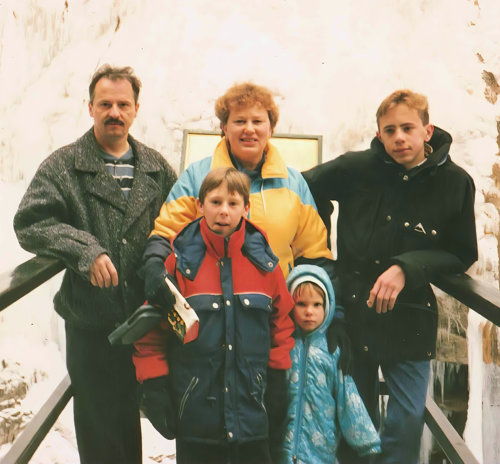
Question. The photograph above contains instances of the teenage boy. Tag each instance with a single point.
(226, 270)
(406, 213)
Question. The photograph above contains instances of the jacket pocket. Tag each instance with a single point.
(211, 332)
(253, 330)
(417, 234)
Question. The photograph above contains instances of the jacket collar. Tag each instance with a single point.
(273, 166)
(103, 186)
(440, 143)
(196, 239)
(87, 156)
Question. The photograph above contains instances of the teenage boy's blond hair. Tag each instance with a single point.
(409, 98)
(235, 181)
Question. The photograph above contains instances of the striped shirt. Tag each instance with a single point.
(122, 169)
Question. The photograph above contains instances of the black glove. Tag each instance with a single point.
(276, 401)
(155, 288)
(156, 404)
(337, 336)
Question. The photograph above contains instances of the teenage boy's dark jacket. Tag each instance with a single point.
(74, 210)
(421, 219)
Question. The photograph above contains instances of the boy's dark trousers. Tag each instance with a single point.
(252, 452)
(105, 403)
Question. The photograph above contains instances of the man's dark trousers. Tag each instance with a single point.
(106, 406)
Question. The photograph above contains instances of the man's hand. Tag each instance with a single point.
(386, 289)
(103, 272)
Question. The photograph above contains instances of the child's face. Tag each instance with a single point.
(223, 210)
(308, 311)
(403, 135)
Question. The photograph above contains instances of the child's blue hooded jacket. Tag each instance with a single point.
(323, 403)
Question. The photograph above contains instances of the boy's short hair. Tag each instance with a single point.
(115, 73)
(411, 99)
(246, 94)
(235, 180)
(304, 286)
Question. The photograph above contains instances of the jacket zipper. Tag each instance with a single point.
(299, 413)
(262, 194)
(189, 389)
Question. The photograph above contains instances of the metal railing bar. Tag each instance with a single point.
(448, 438)
(26, 277)
(36, 430)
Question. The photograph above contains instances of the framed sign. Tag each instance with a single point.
(299, 151)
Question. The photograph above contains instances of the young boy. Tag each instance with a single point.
(226, 270)
(406, 212)
(324, 403)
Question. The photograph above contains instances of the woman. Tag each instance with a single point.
(280, 201)
(280, 204)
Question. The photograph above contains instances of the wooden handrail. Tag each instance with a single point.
(482, 298)
(30, 438)
(26, 277)
(450, 441)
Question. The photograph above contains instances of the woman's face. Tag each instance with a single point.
(247, 131)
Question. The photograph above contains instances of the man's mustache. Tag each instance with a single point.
(113, 121)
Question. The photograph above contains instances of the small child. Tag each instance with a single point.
(324, 404)
(211, 392)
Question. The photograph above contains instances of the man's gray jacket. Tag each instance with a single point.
(74, 210)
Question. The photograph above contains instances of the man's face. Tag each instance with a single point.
(113, 109)
(223, 210)
(403, 135)
(247, 130)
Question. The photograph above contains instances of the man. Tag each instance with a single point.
(92, 204)
(406, 212)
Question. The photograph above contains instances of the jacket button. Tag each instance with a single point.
(246, 301)
(365, 348)
(124, 241)
(429, 354)
(377, 261)
(428, 304)
(353, 296)
(270, 264)
(228, 303)
(388, 218)
(215, 305)
(230, 434)
(188, 271)
(125, 284)
(226, 389)
(230, 347)
(407, 224)
(405, 177)
(433, 232)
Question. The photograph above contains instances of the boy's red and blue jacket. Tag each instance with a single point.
(240, 296)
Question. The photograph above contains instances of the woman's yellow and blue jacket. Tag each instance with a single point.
(280, 204)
